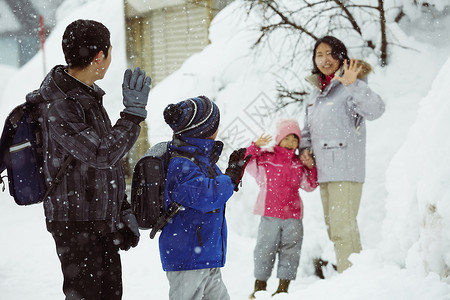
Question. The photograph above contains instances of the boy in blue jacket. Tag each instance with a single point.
(193, 245)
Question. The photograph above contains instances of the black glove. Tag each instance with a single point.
(135, 90)
(236, 166)
(128, 233)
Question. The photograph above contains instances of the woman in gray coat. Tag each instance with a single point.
(334, 134)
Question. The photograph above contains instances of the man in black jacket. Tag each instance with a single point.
(87, 213)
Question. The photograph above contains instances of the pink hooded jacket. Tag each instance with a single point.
(280, 174)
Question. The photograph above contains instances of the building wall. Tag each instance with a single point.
(176, 33)
(161, 40)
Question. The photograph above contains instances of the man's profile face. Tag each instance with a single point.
(103, 64)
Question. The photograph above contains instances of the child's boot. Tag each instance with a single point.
(282, 287)
(260, 285)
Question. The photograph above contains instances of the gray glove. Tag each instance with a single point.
(135, 89)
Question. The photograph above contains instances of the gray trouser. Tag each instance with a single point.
(278, 236)
(202, 284)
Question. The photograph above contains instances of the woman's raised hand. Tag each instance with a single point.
(351, 72)
(263, 140)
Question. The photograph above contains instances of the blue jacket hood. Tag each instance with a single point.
(203, 149)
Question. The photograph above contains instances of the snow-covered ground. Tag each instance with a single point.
(405, 211)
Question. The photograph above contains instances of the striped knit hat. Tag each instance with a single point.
(195, 117)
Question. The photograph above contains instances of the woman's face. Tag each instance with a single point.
(325, 61)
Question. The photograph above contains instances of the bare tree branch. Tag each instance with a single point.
(349, 16)
(288, 22)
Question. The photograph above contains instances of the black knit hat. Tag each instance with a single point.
(195, 117)
(83, 40)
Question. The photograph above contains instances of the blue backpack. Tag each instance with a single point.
(21, 154)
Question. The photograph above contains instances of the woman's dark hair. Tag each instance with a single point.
(338, 51)
(83, 40)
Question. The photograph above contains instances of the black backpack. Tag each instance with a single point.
(21, 154)
(147, 189)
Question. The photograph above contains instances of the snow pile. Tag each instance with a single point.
(418, 205)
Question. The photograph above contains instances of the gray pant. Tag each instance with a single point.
(278, 236)
(202, 284)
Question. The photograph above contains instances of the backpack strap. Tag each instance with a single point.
(16, 116)
(174, 207)
(55, 181)
(163, 220)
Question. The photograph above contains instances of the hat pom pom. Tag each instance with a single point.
(172, 114)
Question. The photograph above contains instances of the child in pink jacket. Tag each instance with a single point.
(280, 174)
